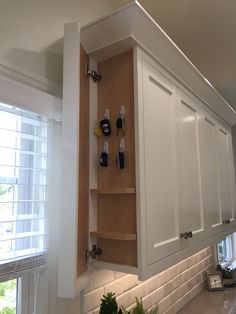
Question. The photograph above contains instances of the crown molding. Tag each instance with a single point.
(26, 77)
(130, 27)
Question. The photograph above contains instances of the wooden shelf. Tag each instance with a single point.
(114, 235)
(114, 191)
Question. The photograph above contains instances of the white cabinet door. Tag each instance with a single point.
(210, 175)
(190, 191)
(224, 166)
(73, 271)
(158, 154)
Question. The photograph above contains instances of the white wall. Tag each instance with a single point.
(31, 31)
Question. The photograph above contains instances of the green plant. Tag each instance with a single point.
(8, 310)
(3, 190)
(2, 290)
(7, 286)
(138, 309)
(109, 304)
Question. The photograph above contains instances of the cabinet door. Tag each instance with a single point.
(210, 176)
(161, 210)
(72, 264)
(191, 209)
(224, 166)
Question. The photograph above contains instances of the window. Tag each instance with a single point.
(23, 199)
(225, 250)
(30, 131)
(8, 296)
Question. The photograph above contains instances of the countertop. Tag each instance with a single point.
(212, 302)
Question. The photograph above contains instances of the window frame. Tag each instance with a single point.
(228, 248)
(15, 93)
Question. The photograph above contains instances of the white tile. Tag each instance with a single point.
(168, 287)
(138, 292)
(129, 282)
(119, 274)
(90, 285)
(164, 304)
(177, 281)
(150, 285)
(102, 277)
(115, 286)
(125, 300)
(92, 299)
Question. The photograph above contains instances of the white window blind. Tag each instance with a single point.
(23, 189)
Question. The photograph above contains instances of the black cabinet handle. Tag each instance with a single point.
(190, 234)
(186, 235)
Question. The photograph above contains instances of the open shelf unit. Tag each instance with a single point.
(115, 231)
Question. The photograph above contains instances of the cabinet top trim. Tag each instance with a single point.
(131, 26)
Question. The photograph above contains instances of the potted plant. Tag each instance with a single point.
(109, 304)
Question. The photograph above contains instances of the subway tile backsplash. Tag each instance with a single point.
(170, 290)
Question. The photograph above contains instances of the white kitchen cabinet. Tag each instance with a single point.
(177, 188)
(169, 165)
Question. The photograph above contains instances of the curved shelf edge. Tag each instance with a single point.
(114, 235)
(114, 190)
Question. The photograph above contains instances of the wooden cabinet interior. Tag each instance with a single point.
(116, 202)
(83, 199)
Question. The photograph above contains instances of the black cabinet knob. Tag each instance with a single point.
(184, 235)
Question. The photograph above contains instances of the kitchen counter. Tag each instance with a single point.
(212, 302)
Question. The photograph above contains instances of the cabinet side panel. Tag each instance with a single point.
(83, 202)
(117, 213)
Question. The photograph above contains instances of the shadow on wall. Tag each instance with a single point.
(47, 63)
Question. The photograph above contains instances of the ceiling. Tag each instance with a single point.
(205, 31)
